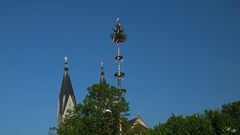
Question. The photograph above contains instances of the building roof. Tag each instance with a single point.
(138, 121)
(66, 90)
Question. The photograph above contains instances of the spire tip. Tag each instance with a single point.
(101, 64)
(65, 61)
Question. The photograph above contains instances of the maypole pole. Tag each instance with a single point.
(118, 36)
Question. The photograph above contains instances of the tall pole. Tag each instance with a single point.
(118, 36)
(119, 69)
(120, 76)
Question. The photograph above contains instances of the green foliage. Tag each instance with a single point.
(217, 120)
(159, 129)
(211, 122)
(93, 117)
(233, 111)
(118, 34)
(178, 125)
(137, 130)
(226, 121)
(197, 125)
(99, 114)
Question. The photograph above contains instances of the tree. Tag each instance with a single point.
(227, 120)
(137, 130)
(179, 125)
(218, 121)
(175, 125)
(232, 110)
(98, 114)
(198, 125)
(160, 129)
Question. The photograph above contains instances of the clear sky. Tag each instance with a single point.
(181, 57)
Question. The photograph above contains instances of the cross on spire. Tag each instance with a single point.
(65, 61)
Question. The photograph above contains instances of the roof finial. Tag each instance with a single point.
(138, 114)
(65, 61)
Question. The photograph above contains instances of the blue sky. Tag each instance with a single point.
(181, 57)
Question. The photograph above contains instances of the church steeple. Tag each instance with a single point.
(102, 77)
(66, 99)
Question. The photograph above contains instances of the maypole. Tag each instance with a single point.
(118, 36)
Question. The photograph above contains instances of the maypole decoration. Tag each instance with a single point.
(118, 36)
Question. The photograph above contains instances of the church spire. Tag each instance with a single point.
(102, 77)
(66, 99)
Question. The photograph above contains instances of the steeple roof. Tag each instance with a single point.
(66, 90)
(102, 77)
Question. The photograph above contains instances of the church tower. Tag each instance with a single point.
(102, 77)
(66, 99)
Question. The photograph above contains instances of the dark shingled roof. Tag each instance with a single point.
(66, 90)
